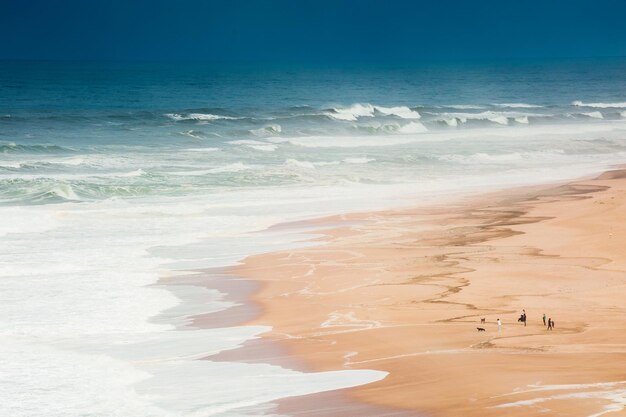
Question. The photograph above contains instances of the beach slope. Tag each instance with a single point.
(405, 291)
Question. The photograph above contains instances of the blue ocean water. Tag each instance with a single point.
(151, 117)
(113, 175)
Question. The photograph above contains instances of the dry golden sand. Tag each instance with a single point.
(404, 291)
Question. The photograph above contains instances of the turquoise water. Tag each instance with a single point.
(113, 175)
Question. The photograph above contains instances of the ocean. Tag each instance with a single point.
(114, 175)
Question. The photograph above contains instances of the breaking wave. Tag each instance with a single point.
(454, 119)
(295, 163)
(356, 111)
(464, 106)
(352, 113)
(618, 105)
(390, 128)
(413, 127)
(518, 105)
(270, 130)
(401, 111)
(51, 191)
(198, 116)
(593, 115)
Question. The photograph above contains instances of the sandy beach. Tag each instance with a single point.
(405, 291)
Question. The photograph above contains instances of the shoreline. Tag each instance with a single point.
(445, 246)
(261, 350)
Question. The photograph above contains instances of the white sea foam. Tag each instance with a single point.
(400, 111)
(593, 115)
(86, 337)
(452, 121)
(236, 167)
(65, 191)
(197, 116)
(74, 161)
(26, 220)
(498, 117)
(353, 112)
(6, 164)
(464, 106)
(294, 163)
(621, 104)
(623, 114)
(136, 173)
(356, 111)
(202, 149)
(377, 127)
(504, 158)
(355, 160)
(344, 141)
(613, 392)
(565, 387)
(255, 144)
(69, 161)
(501, 118)
(270, 130)
(518, 105)
(413, 127)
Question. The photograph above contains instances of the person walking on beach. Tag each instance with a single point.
(499, 327)
(549, 324)
(544, 319)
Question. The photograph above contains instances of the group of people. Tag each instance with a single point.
(549, 323)
(522, 318)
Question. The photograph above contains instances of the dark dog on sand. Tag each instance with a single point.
(482, 321)
(480, 329)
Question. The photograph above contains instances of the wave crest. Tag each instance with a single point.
(198, 116)
(616, 105)
(518, 105)
(352, 113)
(400, 111)
(413, 127)
(593, 115)
(502, 118)
(271, 130)
(355, 111)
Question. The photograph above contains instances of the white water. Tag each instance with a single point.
(76, 319)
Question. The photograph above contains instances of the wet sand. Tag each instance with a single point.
(404, 292)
